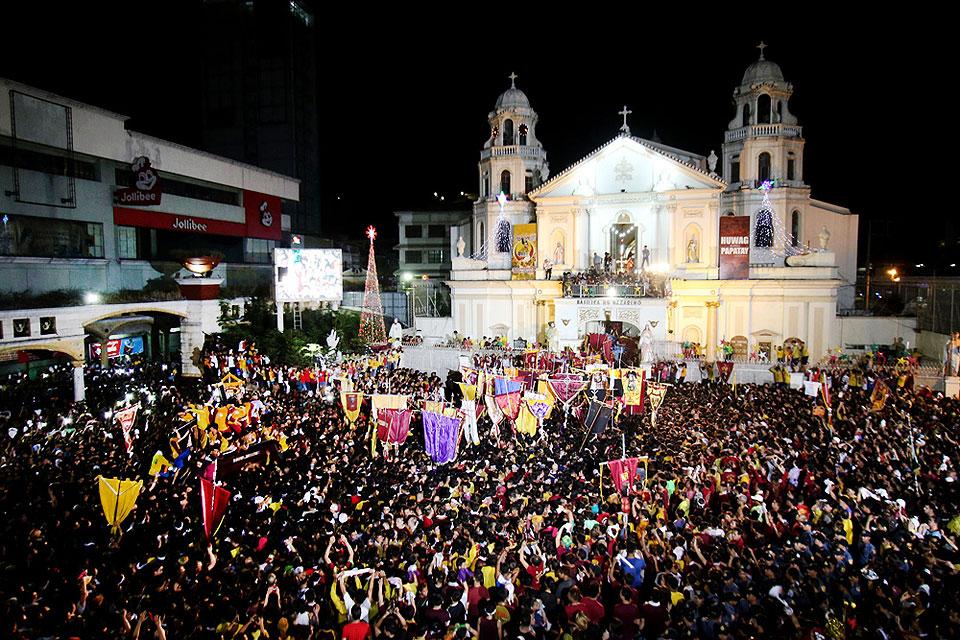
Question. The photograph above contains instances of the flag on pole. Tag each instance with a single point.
(127, 418)
(633, 392)
(118, 498)
(351, 402)
(507, 394)
(393, 425)
(493, 409)
(469, 391)
(725, 367)
(213, 502)
(598, 416)
(440, 435)
(878, 399)
(623, 472)
(656, 392)
(469, 408)
(380, 401)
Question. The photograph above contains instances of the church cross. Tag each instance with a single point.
(625, 112)
(763, 45)
(513, 80)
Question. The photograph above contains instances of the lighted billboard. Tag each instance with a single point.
(308, 275)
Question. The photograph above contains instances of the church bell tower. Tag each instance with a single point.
(512, 163)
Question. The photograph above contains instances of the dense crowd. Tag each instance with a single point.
(754, 516)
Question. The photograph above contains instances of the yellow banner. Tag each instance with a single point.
(117, 498)
(524, 252)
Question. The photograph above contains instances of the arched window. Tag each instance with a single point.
(734, 169)
(791, 167)
(746, 114)
(763, 230)
(763, 167)
(481, 240)
(507, 132)
(763, 109)
(485, 185)
(522, 137)
(505, 182)
(795, 228)
(779, 110)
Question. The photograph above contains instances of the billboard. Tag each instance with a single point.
(123, 346)
(524, 252)
(308, 275)
(734, 247)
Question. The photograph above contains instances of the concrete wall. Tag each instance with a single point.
(865, 330)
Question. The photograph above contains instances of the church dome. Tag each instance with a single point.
(762, 71)
(513, 98)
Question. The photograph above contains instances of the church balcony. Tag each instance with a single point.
(533, 153)
(592, 284)
(764, 130)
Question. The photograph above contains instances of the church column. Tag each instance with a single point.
(79, 387)
(712, 307)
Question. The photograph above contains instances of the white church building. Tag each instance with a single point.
(634, 198)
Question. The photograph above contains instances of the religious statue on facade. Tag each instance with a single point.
(824, 238)
(712, 162)
(646, 344)
(558, 253)
(461, 246)
(396, 329)
(550, 333)
(951, 354)
(693, 250)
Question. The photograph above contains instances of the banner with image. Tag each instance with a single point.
(524, 252)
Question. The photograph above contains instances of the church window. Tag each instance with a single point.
(485, 186)
(791, 167)
(505, 182)
(795, 228)
(528, 182)
(734, 169)
(522, 138)
(779, 110)
(763, 109)
(746, 114)
(508, 132)
(763, 167)
(763, 232)
(481, 240)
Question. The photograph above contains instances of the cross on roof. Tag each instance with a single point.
(513, 80)
(763, 45)
(625, 112)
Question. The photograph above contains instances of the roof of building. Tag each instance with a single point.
(513, 98)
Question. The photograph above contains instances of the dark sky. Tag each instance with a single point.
(404, 98)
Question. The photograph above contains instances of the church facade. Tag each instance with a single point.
(742, 251)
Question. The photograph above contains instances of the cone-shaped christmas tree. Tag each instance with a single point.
(372, 330)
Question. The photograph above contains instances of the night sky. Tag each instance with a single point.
(403, 103)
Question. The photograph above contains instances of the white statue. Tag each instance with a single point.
(551, 335)
(712, 161)
(558, 254)
(396, 329)
(646, 344)
(693, 251)
(461, 245)
(824, 238)
(333, 340)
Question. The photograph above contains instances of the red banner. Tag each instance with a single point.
(262, 215)
(734, 247)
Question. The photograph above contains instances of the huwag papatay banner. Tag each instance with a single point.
(734, 247)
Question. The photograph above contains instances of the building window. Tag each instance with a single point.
(523, 135)
(528, 182)
(127, 243)
(50, 163)
(508, 132)
(746, 114)
(735, 169)
(413, 231)
(505, 182)
(51, 238)
(763, 233)
(763, 109)
(436, 231)
(21, 328)
(481, 240)
(779, 110)
(413, 257)
(795, 228)
(48, 325)
(258, 250)
(791, 168)
(435, 256)
(485, 186)
(763, 167)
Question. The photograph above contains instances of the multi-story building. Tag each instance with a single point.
(259, 94)
(424, 246)
(88, 204)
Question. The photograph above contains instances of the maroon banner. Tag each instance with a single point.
(734, 247)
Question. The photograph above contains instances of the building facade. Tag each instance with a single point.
(88, 204)
(636, 211)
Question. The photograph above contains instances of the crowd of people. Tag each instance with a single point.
(753, 515)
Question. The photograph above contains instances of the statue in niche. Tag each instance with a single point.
(558, 253)
(461, 245)
(824, 238)
(693, 250)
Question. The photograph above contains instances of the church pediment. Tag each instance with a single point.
(627, 165)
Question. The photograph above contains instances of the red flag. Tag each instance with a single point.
(213, 501)
(393, 425)
(623, 472)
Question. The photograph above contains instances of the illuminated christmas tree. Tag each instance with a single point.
(372, 330)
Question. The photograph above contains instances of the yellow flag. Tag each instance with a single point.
(469, 391)
(118, 497)
(544, 389)
(526, 421)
